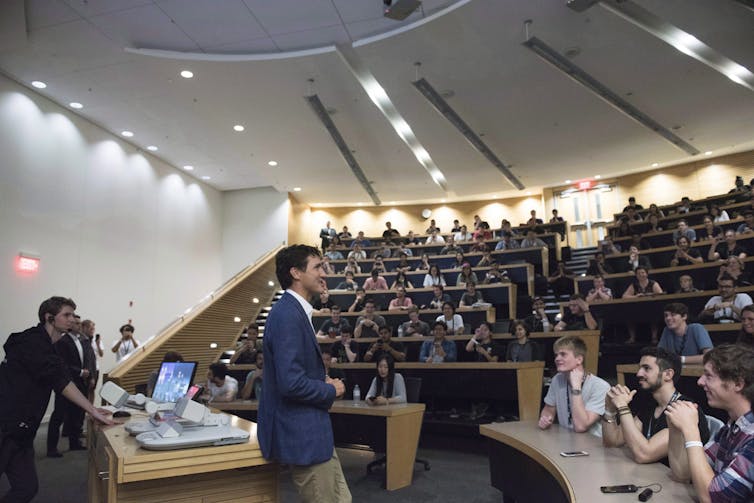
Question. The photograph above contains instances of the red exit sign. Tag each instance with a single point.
(585, 184)
(26, 264)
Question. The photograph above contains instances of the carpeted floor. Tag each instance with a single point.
(460, 473)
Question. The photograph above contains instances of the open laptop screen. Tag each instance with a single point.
(173, 381)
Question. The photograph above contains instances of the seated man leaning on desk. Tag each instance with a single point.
(576, 397)
(220, 386)
(439, 349)
(643, 428)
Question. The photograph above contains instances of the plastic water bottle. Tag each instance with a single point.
(356, 393)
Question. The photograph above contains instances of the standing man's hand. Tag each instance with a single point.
(340, 388)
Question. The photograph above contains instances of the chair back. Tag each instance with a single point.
(413, 389)
(714, 425)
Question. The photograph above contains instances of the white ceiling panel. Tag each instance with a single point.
(88, 8)
(287, 16)
(43, 13)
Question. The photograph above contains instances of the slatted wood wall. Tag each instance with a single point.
(207, 323)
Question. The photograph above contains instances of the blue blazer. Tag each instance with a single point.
(293, 420)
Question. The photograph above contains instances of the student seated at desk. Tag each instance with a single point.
(746, 335)
(482, 344)
(387, 386)
(452, 321)
(220, 386)
(439, 297)
(723, 470)
(368, 324)
(254, 380)
(522, 349)
(471, 296)
(438, 349)
(384, 346)
(643, 429)
(327, 360)
(577, 398)
(414, 326)
(726, 307)
(577, 316)
(346, 350)
(688, 340)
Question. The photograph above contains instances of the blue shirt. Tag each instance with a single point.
(694, 341)
(448, 346)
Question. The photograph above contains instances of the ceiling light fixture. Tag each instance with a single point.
(152, 148)
(655, 164)
(206, 177)
(597, 177)
(187, 74)
(709, 152)
(270, 283)
(272, 163)
(382, 101)
(567, 67)
(568, 181)
(444, 109)
(188, 167)
(127, 134)
(238, 127)
(76, 105)
(38, 84)
(296, 189)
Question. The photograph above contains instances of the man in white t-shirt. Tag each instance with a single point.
(126, 344)
(220, 386)
(726, 307)
(576, 397)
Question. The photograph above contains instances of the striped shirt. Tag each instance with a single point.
(731, 456)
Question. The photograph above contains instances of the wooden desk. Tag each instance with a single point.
(525, 464)
(467, 380)
(403, 422)
(122, 472)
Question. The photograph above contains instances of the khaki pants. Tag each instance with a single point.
(322, 483)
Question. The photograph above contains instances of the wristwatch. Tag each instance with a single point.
(609, 417)
(575, 391)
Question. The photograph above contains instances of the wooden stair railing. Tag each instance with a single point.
(209, 322)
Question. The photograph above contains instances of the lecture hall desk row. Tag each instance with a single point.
(665, 237)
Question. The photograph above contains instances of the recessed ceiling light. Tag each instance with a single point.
(39, 84)
(205, 177)
(709, 152)
(127, 134)
(152, 148)
(237, 319)
(187, 74)
(296, 189)
(255, 300)
(528, 192)
(597, 177)
(76, 105)
(391, 202)
(568, 181)
(443, 200)
(213, 345)
(272, 163)
(360, 204)
(655, 164)
(238, 127)
(188, 168)
(271, 283)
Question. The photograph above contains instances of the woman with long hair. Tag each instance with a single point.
(424, 264)
(387, 386)
(401, 280)
(434, 277)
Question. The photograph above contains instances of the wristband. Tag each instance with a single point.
(693, 443)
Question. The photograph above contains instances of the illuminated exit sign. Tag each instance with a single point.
(27, 264)
(585, 184)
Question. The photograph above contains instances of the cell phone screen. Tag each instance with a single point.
(573, 454)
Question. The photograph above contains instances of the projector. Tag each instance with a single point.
(580, 5)
(401, 9)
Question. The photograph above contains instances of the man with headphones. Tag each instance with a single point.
(30, 371)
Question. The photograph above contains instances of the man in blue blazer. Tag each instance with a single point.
(294, 422)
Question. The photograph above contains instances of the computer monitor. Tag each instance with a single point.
(173, 381)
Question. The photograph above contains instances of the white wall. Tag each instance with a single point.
(111, 224)
(254, 222)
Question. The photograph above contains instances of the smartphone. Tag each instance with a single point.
(629, 488)
(573, 454)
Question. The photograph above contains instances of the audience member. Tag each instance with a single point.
(734, 267)
(384, 251)
(748, 224)
(402, 265)
(323, 303)
(482, 344)
(432, 227)
(632, 205)
(654, 224)
(253, 384)
(642, 426)
(327, 267)
(599, 266)
(375, 281)
(656, 211)
(710, 232)
(126, 344)
(357, 253)
(608, 247)
(330, 371)
(726, 307)
(724, 469)
(424, 264)
(433, 277)
(401, 280)
(411, 239)
(463, 235)
(352, 266)
(561, 280)
(632, 216)
(624, 228)
(577, 316)
(439, 297)
(438, 349)
(389, 233)
(687, 340)
(472, 296)
(346, 350)
(577, 398)
(479, 245)
(434, 238)
(727, 248)
(401, 302)
(684, 230)
(456, 226)
(349, 283)
(246, 354)
(523, 349)
(639, 242)
(483, 231)
(686, 284)
(450, 247)
(387, 386)
(402, 248)
(359, 303)
(746, 335)
(486, 259)
(533, 220)
(452, 321)
(466, 275)
(368, 324)
(458, 261)
(220, 386)
(718, 215)
(555, 218)
(385, 346)
(538, 320)
(642, 285)
(506, 242)
(344, 234)
(331, 328)
(599, 292)
(532, 241)
(378, 265)
(684, 254)
(361, 241)
(332, 253)
(635, 260)
(414, 326)
(684, 206)
(495, 275)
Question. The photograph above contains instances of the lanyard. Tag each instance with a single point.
(679, 352)
(673, 398)
(568, 396)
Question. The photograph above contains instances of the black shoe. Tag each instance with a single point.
(54, 454)
(77, 447)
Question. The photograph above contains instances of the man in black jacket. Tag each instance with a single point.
(30, 371)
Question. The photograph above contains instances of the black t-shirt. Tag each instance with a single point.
(247, 357)
(527, 352)
(722, 249)
(398, 346)
(317, 304)
(692, 252)
(342, 322)
(535, 324)
(493, 348)
(573, 321)
(650, 424)
(339, 351)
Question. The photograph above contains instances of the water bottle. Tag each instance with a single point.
(356, 393)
